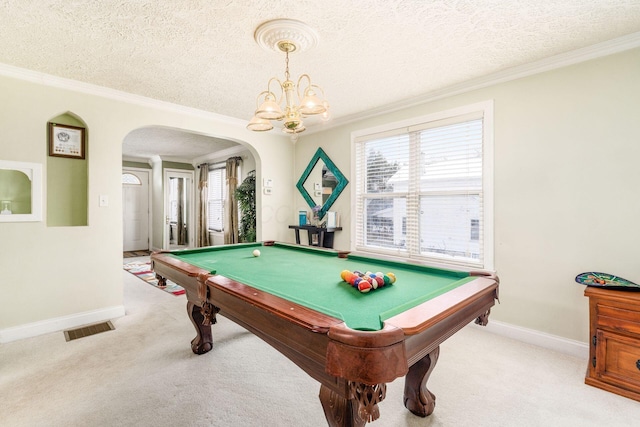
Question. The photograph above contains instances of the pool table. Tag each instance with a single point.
(353, 343)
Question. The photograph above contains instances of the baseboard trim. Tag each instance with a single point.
(541, 339)
(60, 323)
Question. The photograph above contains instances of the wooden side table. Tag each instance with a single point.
(614, 350)
(318, 236)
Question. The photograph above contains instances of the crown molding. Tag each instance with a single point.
(117, 95)
(588, 53)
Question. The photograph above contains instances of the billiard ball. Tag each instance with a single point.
(364, 286)
(256, 253)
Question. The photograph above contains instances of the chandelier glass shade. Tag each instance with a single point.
(293, 102)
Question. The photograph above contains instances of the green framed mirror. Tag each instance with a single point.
(321, 182)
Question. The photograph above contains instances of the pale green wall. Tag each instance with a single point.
(177, 165)
(567, 200)
(139, 165)
(248, 165)
(67, 183)
(65, 275)
(15, 187)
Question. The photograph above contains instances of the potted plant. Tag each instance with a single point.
(246, 197)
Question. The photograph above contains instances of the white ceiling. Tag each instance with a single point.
(371, 53)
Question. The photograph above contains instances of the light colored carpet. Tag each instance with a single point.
(144, 374)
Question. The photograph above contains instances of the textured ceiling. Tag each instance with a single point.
(170, 144)
(371, 53)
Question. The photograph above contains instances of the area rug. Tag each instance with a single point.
(142, 270)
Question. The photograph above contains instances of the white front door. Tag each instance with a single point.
(135, 209)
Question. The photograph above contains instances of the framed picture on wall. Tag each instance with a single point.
(66, 141)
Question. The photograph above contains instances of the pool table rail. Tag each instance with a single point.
(167, 267)
(368, 357)
(414, 321)
(451, 312)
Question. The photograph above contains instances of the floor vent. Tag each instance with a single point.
(85, 331)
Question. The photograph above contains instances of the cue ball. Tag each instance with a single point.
(256, 253)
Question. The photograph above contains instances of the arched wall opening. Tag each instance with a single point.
(170, 153)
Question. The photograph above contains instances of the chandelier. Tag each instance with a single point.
(294, 101)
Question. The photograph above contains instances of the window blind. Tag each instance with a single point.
(216, 198)
(419, 191)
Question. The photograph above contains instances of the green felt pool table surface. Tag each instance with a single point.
(311, 277)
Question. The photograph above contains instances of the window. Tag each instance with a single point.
(129, 178)
(423, 188)
(216, 198)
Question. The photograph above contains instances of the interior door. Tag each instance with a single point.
(135, 209)
(179, 209)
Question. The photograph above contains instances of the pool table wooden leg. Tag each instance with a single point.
(338, 410)
(162, 282)
(203, 342)
(483, 319)
(360, 408)
(417, 398)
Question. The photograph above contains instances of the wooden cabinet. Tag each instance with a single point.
(614, 350)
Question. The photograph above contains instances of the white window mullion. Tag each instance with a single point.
(413, 200)
(360, 189)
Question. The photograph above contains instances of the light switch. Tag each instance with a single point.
(104, 200)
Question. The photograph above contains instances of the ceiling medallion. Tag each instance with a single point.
(271, 33)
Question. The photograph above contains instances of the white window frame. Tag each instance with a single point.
(129, 178)
(487, 238)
